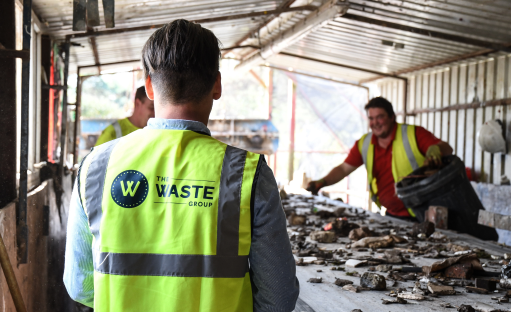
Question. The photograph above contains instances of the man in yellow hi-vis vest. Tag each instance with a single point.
(143, 109)
(390, 152)
(168, 218)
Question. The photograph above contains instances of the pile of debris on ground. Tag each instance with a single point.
(385, 251)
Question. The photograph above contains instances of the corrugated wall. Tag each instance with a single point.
(473, 81)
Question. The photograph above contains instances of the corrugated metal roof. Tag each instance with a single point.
(343, 40)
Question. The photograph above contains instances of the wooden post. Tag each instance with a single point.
(291, 97)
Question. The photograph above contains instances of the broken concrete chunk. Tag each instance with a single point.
(350, 287)
(476, 290)
(342, 282)
(339, 212)
(398, 300)
(438, 235)
(440, 289)
(356, 310)
(425, 227)
(373, 281)
(295, 219)
(483, 307)
(487, 284)
(355, 263)
(446, 305)
(357, 234)
(462, 271)
(315, 280)
(456, 248)
(466, 308)
(383, 268)
(394, 256)
(411, 296)
(417, 289)
(440, 265)
(323, 236)
(374, 242)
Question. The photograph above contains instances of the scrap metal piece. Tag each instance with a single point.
(92, 13)
(476, 290)
(463, 271)
(485, 283)
(109, 13)
(79, 10)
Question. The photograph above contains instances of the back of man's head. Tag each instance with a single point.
(182, 59)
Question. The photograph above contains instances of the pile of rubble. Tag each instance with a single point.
(387, 251)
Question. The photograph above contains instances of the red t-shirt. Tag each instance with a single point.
(382, 168)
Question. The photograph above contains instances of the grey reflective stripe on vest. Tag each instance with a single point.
(173, 265)
(226, 264)
(229, 201)
(408, 148)
(94, 183)
(118, 131)
(365, 146)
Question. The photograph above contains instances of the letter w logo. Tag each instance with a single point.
(127, 190)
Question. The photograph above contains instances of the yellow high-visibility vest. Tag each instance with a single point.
(170, 214)
(406, 157)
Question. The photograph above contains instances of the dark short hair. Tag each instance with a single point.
(140, 94)
(182, 59)
(380, 102)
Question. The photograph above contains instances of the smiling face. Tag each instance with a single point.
(380, 122)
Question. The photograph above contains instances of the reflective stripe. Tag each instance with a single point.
(408, 148)
(231, 178)
(94, 183)
(365, 146)
(173, 265)
(117, 128)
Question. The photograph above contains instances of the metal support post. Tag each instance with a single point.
(291, 96)
(76, 139)
(21, 213)
(63, 152)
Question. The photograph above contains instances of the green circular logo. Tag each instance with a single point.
(129, 189)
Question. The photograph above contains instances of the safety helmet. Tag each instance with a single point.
(490, 137)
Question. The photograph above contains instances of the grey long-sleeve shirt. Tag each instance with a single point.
(272, 266)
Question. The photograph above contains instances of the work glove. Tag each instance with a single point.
(434, 155)
(315, 186)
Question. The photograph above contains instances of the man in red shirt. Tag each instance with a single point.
(382, 122)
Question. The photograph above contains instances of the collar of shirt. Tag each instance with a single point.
(177, 124)
(374, 139)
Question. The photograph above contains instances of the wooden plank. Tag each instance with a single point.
(470, 116)
(462, 97)
(411, 99)
(438, 103)
(400, 99)
(499, 159)
(480, 175)
(418, 97)
(507, 119)
(445, 102)
(453, 115)
(395, 99)
(425, 103)
(488, 113)
(431, 102)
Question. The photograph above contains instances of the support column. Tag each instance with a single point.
(291, 98)
(8, 106)
(270, 92)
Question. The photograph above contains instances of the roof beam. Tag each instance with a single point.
(199, 21)
(446, 61)
(345, 66)
(286, 4)
(94, 48)
(316, 19)
(429, 33)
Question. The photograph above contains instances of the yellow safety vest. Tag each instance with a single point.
(170, 213)
(406, 157)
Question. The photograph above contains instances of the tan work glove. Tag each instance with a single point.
(434, 155)
(315, 186)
